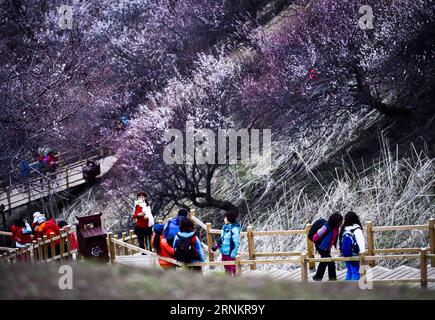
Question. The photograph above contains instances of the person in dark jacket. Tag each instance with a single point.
(324, 239)
(187, 231)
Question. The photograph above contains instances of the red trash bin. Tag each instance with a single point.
(91, 238)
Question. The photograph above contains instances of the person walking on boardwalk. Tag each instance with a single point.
(71, 237)
(352, 242)
(162, 247)
(229, 241)
(144, 220)
(21, 233)
(46, 227)
(187, 246)
(324, 238)
(173, 226)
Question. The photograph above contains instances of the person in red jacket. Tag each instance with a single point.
(144, 220)
(21, 233)
(72, 237)
(162, 247)
(45, 228)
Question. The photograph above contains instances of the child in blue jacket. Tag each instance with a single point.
(229, 241)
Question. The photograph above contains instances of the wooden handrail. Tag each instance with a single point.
(138, 249)
(399, 228)
(392, 257)
(37, 251)
(396, 250)
(278, 254)
(279, 233)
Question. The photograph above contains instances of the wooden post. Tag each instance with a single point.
(210, 242)
(432, 240)
(62, 243)
(423, 268)
(124, 249)
(16, 255)
(192, 213)
(68, 239)
(184, 266)
(28, 253)
(111, 248)
(251, 246)
(40, 250)
(304, 267)
(362, 264)
(115, 247)
(131, 234)
(44, 239)
(52, 246)
(238, 265)
(22, 255)
(370, 242)
(35, 251)
(310, 247)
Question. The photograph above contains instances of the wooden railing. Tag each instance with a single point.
(371, 230)
(5, 235)
(309, 246)
(304, 259)
(66, 176)
(42, 250)
(126, 245)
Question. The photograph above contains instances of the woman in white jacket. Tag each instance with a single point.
(352, 242)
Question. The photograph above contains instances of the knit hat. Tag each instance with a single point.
(159, 227)
(183, 213)
(40, 219)
(36, 215)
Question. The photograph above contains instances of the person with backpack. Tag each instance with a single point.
(325, 234)
(352, 242)
(187, 246)
(144, 220)
(162, 247)
(72, 237)
(173, 226)
(229, 241)
(21, 233)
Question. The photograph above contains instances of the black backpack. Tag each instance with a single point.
(185, 250)
(315, 227)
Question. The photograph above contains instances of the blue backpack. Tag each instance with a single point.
(172, 230)
(349, 247)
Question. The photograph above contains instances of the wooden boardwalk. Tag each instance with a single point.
(294, 275)
(138, 261)
(67, 177)
(294, 267)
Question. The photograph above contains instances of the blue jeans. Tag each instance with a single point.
(352, 270)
